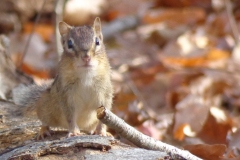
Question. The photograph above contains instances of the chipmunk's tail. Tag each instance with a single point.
(28, 95)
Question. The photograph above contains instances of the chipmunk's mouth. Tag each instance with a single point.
(87, 65)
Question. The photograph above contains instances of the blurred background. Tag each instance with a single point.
(175, 63)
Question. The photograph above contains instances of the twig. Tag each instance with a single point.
(139, 139)
(30, 37)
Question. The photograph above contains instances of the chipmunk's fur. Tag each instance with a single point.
(82, 85)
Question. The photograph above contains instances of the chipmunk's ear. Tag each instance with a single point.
(63, 28)
(97, 28)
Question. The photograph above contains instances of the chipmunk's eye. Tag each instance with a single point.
(97, 42)
(70, 44)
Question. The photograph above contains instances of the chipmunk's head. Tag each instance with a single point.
(84, 44)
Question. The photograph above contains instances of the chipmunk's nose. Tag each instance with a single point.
(86, 58)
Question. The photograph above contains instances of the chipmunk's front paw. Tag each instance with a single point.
(106, 134)
(103, 133)
(76, 132)
(45, 130)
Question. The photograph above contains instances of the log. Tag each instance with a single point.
(18, 141)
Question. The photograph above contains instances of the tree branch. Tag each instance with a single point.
(139, 139)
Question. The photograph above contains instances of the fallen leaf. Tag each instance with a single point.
(216, 127)
(208, 152)
(201, 61)
(43, 74)
(46, 31)
(179, 132)
(175, 17)
(144, 75)
(136, 114)
(186, 3)
(190, 111)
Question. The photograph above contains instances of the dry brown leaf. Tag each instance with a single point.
(186, 3)
(38, 54)
(43, 74)
(179, 133)
(46, 31)
(121, 103)
(145, 74)
(208, 152)
(190, 111)
(203, 61)
(135, 114)
(172, 98)
(125, 8)
(194, 112)
(179, 88)
(175, 17)
(219, 25)
(216, 127)
(123, 99)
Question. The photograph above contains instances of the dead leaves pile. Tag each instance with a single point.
(176, 75)
(188, 84)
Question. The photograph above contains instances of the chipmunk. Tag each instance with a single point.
(81, 86)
